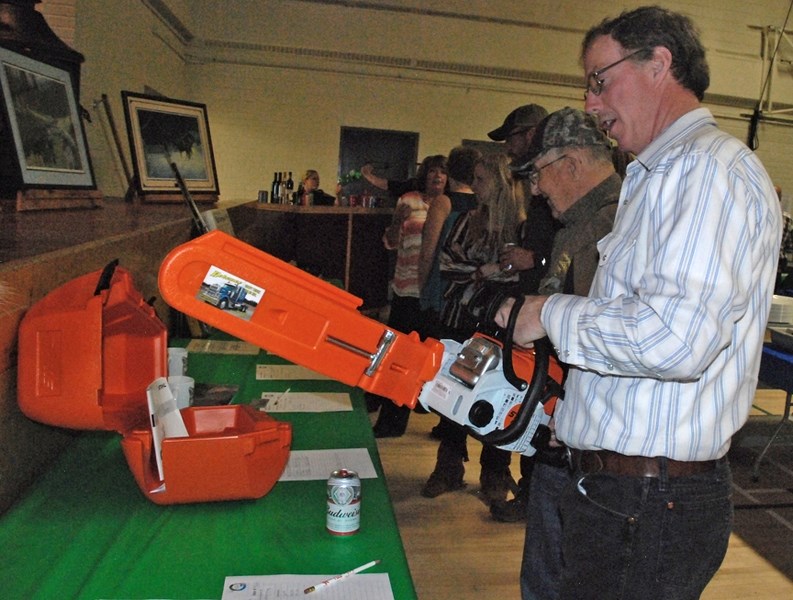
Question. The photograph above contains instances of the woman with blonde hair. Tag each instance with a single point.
(470, 257)
(469, 265)
(309, 193)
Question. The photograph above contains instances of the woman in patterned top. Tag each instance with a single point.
(470, 256)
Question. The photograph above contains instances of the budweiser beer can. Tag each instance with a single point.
(344, 502)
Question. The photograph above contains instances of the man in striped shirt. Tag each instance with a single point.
(664, 352)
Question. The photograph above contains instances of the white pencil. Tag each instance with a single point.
(281, 397)
(333, 580)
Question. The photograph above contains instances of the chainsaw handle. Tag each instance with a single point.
(535, 394)
(106, 277)
(536, 389)
(506, 350)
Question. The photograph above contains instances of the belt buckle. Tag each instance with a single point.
(576, 461)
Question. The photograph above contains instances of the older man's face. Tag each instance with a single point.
(626, 105)
(548, 180)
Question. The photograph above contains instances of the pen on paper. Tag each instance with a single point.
(333, 580)
(267, 402)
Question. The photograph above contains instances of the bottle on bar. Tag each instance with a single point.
(290, 186)
(282, 189)
(274, 188)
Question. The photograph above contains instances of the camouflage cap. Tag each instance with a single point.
(561, 129)
(523, 117)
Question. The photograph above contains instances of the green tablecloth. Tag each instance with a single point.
(86, 531)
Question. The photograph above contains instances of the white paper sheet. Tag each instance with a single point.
(274, 402)
(369, 586)
(223, 347)
(287, 372)
(164, 417)
(309, 465)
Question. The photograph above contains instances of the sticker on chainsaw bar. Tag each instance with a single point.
(230, 293)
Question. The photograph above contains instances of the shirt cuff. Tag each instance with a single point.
(560, 317)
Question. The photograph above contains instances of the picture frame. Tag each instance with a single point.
(42, 116)
(163, 131)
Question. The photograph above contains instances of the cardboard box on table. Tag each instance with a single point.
(87, 353)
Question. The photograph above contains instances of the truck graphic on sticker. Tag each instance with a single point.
(229, 292)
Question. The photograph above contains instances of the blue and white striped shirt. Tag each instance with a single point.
(665, 351)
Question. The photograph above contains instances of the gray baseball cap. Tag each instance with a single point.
(523, 117)
(561, 129)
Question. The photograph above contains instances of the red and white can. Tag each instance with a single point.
(344, 502)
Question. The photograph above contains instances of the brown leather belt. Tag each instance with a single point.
(606, 461)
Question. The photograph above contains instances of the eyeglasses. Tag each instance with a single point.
(534, 174)
(594, 83)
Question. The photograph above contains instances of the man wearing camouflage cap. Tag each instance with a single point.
(569, 159)
(570, 164)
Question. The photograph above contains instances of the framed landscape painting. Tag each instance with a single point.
(42, 117)
(164, 131)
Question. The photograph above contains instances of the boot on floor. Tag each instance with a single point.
(447, 475)
(496, 484)
(392, 420)
(514, 510)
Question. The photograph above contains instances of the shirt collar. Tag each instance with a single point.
(658, 148)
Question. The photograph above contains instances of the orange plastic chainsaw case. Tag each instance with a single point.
(87, 353)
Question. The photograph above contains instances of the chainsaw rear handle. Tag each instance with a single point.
(535, 390)
(106, 277)
(506, 350)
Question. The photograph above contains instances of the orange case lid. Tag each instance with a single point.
(87, 355)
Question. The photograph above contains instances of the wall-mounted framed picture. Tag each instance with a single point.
(164, 131)
(42, 118)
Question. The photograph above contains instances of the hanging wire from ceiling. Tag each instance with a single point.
(751, 139)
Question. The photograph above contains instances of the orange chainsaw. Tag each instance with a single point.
(503, 395)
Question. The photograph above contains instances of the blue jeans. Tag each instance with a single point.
(541, 569)
(639, 538)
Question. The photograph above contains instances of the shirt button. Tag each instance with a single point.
(609, 366)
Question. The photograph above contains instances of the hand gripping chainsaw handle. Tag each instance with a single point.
(482, 384)
(542, 390)
(312, 323)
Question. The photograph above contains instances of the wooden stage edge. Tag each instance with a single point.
(53, 199)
